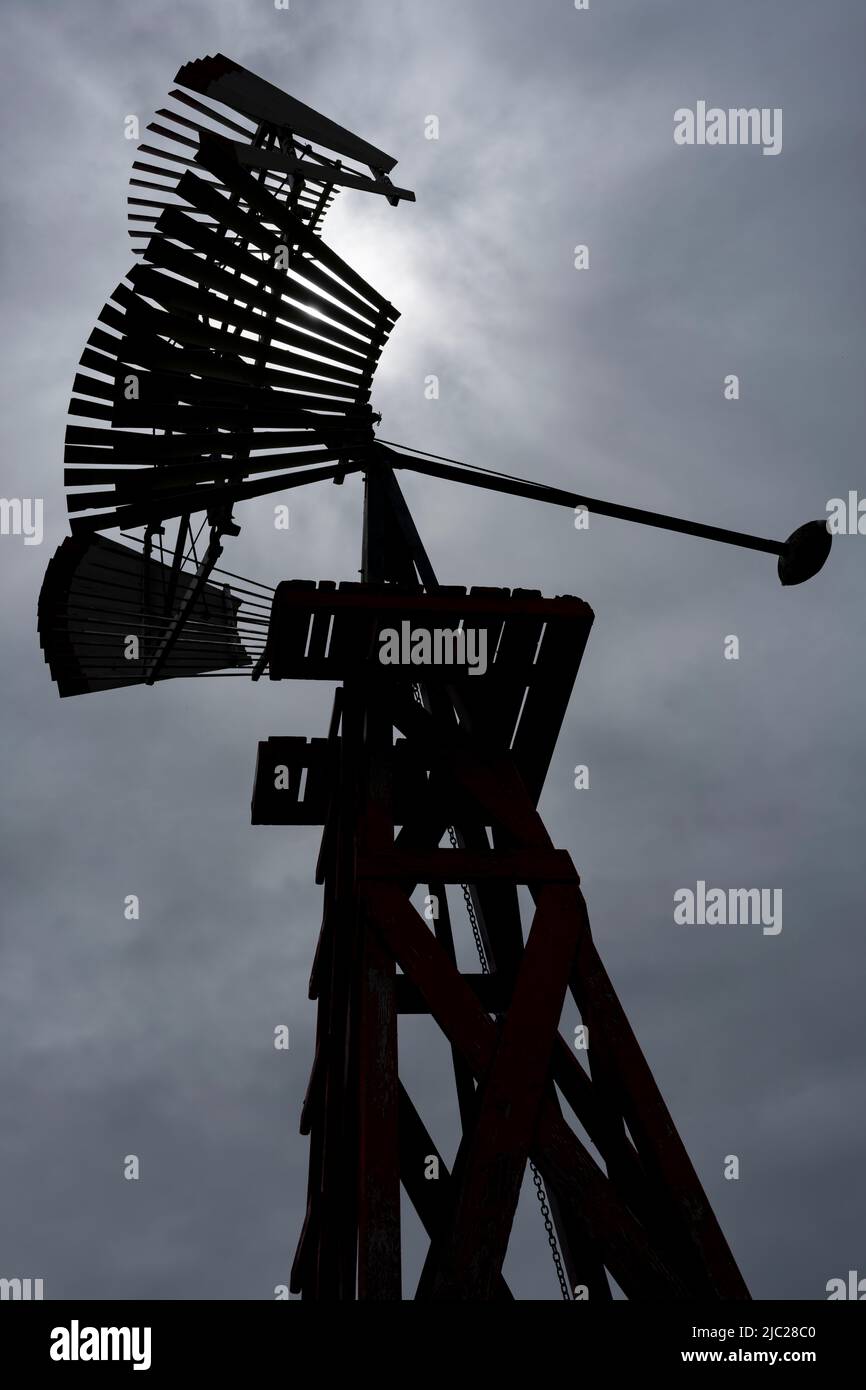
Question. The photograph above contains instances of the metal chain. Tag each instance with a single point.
(470, 912)
(536, 1176)
(551, 1234)
(467, 896)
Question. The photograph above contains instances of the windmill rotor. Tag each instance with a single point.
(236, 357)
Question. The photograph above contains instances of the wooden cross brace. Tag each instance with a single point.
(646, 1219)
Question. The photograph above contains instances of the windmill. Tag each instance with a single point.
(235, 360)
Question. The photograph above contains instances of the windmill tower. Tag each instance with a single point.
(236, 360)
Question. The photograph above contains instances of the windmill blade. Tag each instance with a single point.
(308, 190)
(105, 610)
(243, 338)
(272, 136)
(223, 80)
(801, 556)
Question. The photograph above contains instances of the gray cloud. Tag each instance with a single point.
(153, 1037)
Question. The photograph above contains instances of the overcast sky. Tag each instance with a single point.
(154, 1037)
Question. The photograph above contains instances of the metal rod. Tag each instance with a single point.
(208, 560)
(540, 492)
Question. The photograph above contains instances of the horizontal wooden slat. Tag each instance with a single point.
(465, 866)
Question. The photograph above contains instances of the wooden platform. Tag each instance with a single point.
(534, 646)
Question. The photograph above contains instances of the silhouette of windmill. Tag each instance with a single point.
(236, 360)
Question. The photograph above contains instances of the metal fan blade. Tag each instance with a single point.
(174, 350)
(102, 619)
(221, 79)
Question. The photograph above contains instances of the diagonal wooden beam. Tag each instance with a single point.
(463, 1081)
(466, 1259)
(662, 1152)
(487, 774)
(628, 1089)
(429, 1196)
(591, 1200)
